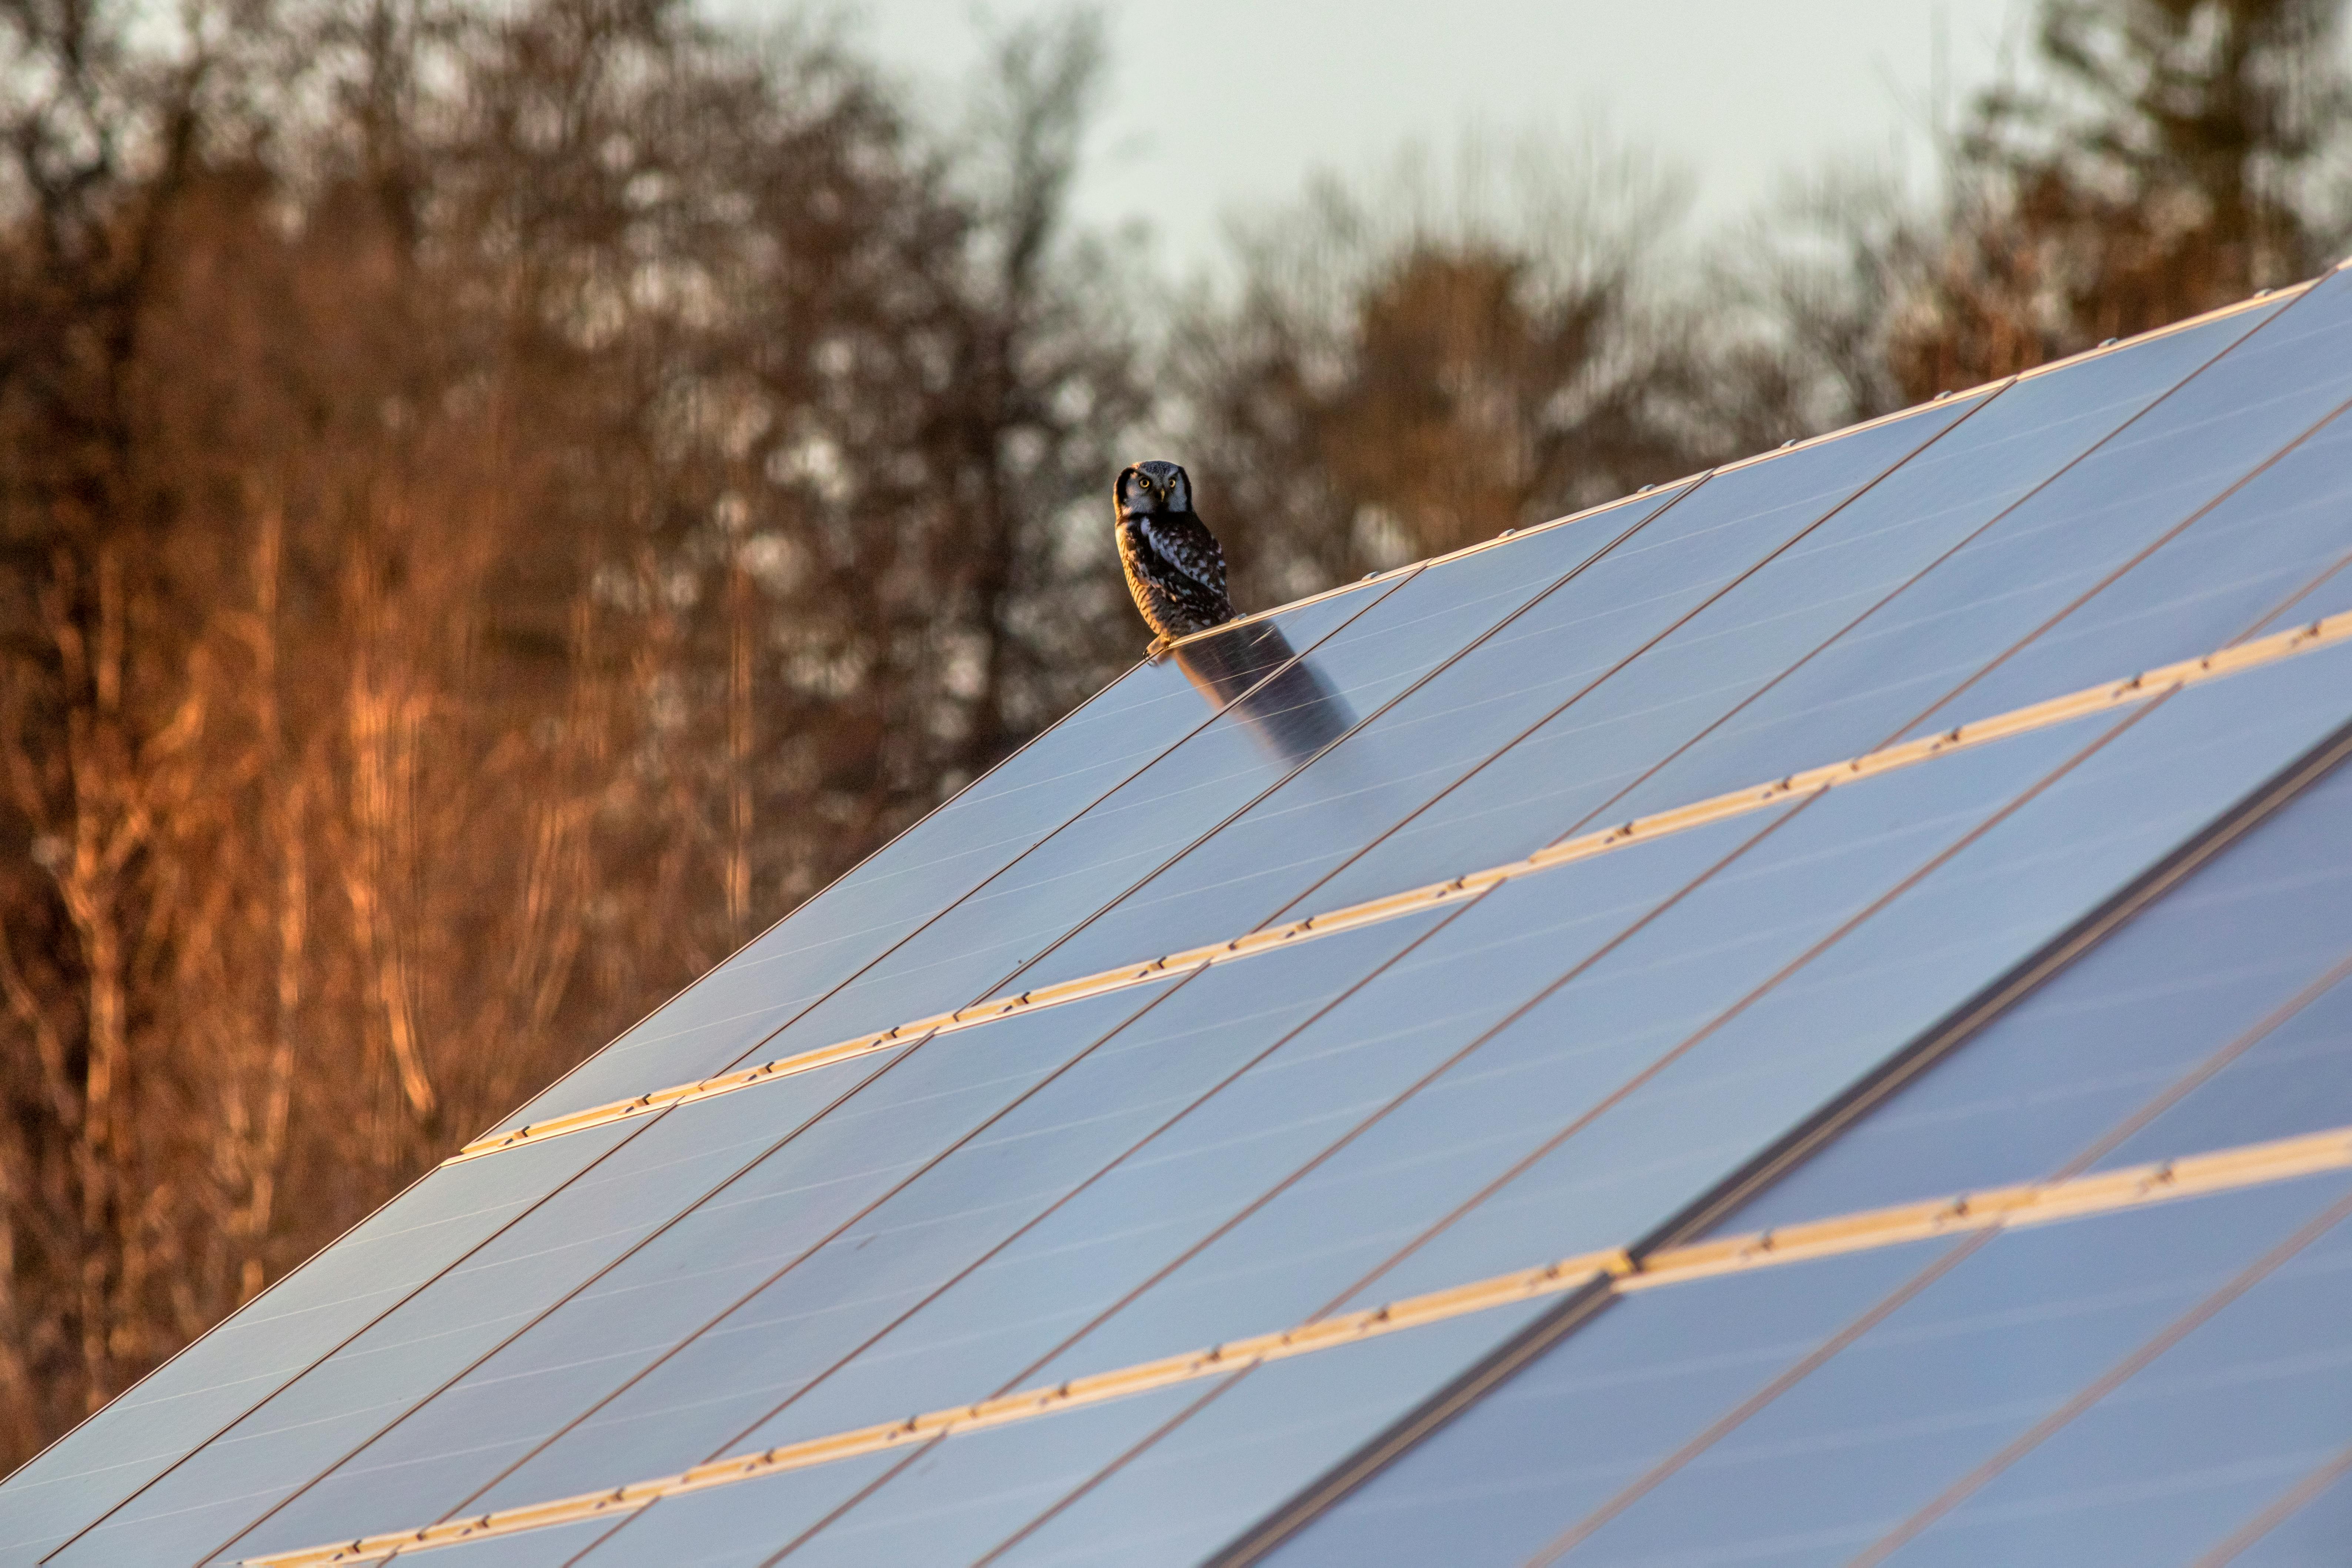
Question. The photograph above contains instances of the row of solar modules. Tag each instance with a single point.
(2165, 1385)
(1565, 1062)
(2135, 1388)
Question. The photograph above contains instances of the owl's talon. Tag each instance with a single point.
(1158, 650)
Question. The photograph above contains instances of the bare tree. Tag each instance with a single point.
(496, 503)
(1420, 362)
(2165, 157)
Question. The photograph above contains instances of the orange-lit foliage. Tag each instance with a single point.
(494, 510)
(2159, 168)
(499, 502)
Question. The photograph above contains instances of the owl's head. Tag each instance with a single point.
(1152, 486)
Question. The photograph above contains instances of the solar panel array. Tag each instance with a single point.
(1483, 1066)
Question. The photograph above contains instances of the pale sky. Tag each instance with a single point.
(1219, 104)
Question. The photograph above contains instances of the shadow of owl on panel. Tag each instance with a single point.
(1177, 573)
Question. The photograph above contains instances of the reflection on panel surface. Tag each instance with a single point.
(1607, 612)
(974, 949)
(956, 848)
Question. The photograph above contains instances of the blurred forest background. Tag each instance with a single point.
(502, 498)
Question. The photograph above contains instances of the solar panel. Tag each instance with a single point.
(1891, 674)
(1914, 1420)
(1123, 732)
(800, 1280)
(1590, 1416)
(1855, 925)
(2193, 1427)
(1234, 1448)
(1738, 692)
(1611, 606)
(2216, 1017)
(2301, 1525)
(276, 1337)
(1926, 1401)
(808, 1174)
(976, 947)
(1347, 1022)
(2212, 1020)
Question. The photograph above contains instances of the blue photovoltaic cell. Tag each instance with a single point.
(2312, 1535)
(1941, 1380)
(1578, 766)
(2246, 935)
(212, 1382)
(2207, 576)
(1595, 1412)
(1233, 1162)
(439, 1331)
(1329, 1239)
(1479, 1173)
(1950, 1378)
(996, 1328)
(740, 1525)
(549, 1547)
(974, 949)
(950, 1504)
(1198, 1484)
(2163, 1468)
(988, 826)
(2329, 595)
(1559, 646)
(743, 1227)
(700, 1403)
(1876, 682)
(2026, 880)
(991, 1330)
(2229, 575)
(2296, 1078)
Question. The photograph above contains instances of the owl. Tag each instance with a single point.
(1173, 566)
